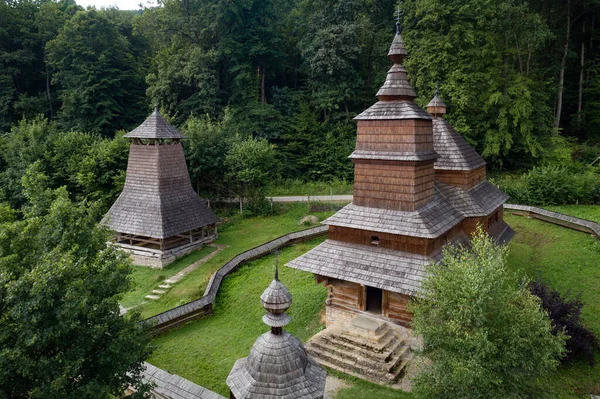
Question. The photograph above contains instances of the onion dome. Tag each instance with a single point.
(277, 366)
(276, 299)
(155, 127)
(436, 106)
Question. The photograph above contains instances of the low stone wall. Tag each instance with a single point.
(203, 306)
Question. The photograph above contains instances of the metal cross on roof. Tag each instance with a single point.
(399, 13)
(437, 89)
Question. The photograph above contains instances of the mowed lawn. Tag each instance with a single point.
(204, 351)
(238, 234)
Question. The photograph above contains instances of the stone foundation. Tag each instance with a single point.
(158, 259)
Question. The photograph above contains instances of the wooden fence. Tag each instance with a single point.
(203, 306)
(571, 222)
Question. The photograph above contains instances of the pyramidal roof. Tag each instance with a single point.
(155, 127)
(453, 150)
(277, 366)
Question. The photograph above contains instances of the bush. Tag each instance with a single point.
(565, 315)
(554, 185)
(483, 331)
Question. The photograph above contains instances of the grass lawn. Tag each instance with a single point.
(570, 262)
(239, 234)
(145, 279)
(204, 351)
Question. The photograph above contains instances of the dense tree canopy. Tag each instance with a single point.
(62, 335)
(520, 78)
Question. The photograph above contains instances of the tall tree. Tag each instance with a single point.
(96, 70)
(62, 335)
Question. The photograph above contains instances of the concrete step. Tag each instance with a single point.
(158, 292)
(165, 286)
(152, 297)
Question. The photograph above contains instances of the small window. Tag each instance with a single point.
(374, 240)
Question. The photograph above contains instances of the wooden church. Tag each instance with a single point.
(418, 185)
(159, 216)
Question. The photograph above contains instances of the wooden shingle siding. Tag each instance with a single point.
(158, 200)
(464, 179)
(455, 153)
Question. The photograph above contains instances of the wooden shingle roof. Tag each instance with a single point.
(277, 366)
(429, 221)
(397, 47)
(172, 386)
(155, 127)
(383, 268)
(396, 83)
(480, 200)
(158, 200)
(397, 109)
(454, 151)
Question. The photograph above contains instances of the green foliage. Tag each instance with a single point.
(61, 334)
(484, 55)
(485, 334)
(554, 185)
(90, 167)
(250, 163)
(96, 70)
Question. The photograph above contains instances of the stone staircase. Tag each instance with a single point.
(367, 348)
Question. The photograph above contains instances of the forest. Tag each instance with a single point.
(265, 90)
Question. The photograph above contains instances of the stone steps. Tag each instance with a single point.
(366, 348)
(346, 356)
(165, 286)
(380, 352)
(158, 292)
(152, 297)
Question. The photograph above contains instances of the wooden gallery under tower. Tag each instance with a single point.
(418, 185)
(159, 216)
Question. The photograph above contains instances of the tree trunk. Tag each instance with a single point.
(48, 91)
(581, 63)
(561, 79)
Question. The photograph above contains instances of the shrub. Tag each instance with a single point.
(554, 185)
(484, 332)
(565, 315)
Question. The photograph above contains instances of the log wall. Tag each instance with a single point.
(396, 308)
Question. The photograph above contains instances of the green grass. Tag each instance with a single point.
(568, 261)
(239, 234)
(205, 351)
(145, 279)
(589, 212)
